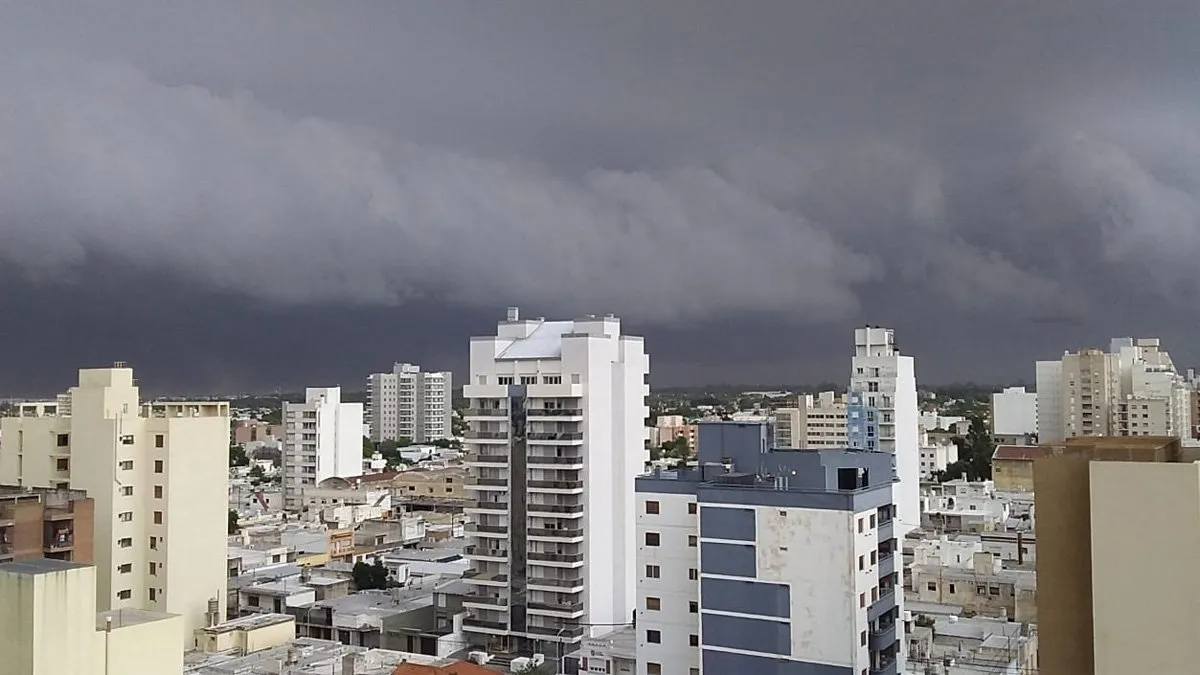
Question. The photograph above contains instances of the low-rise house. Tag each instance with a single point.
(613, 653)
(357, 619)
(982, 587)
(962, 506)
(1012, 466)
(971, 646)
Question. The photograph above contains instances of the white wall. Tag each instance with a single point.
(1049, 401)
(1014, 412)
(673, 587)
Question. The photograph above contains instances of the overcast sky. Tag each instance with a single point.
(249, 195)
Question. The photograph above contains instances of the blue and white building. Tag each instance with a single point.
(882, 414)
(769, 562)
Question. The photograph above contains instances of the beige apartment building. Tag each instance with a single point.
(158, 475)
(1118, 536)
(815, 422)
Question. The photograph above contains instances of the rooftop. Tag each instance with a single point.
(545, 342)
(38, 566)
(309, 657)
(122, 618)
(250, 622)
(1020, 453)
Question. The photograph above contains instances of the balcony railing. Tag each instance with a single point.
(554, 412)
(485, 412)
(488, 482)
(555, 484)
(566, 607)
(558, 632)
(555, 436)
(488, 435)
(6, 549)
(556, 557)
(487, 459)
(484, 551)
(554, 508)
(537, 459)
(489, 506)
(492, 529)
(549, 532)
(478, 599)
(480, 623)
(479, 575)
(60, 543)
(575, 582)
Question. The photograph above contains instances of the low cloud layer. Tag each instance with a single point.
(898, 178)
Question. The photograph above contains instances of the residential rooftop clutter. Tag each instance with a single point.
(952, 645)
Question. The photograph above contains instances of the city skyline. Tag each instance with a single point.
(216, 206)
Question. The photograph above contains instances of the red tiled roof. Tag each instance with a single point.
(374, 477)
(458, 668)
(1019, 453)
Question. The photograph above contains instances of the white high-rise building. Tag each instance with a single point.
(816, 422)
(882, 414)
(1131, 390)
(408, 403)
(322, 438)
(1014, 412)
(158, 473)
(557, 428)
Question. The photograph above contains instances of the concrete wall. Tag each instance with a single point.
(1145, 543)
(676, 587)
(145, 648)
(47, 621)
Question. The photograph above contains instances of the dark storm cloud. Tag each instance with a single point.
(929, 164)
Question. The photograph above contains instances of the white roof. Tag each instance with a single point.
(545, 342)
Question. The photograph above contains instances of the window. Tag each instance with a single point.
(861, 563)
(652, 508)
(874, 593)
(874, 557)
(126, 465)
(862, 599)
(860, 525)
(529, 379)
(862, 638)
(652, 539)
(931, 585)
(158, 466)
(252, 601)
(694, 640)
(693, 607)
(872, 521)
(652, 571)
(692, 508)
(153, 543)
(62, 464)
(693, 671)
(653, 637)
(125, 594)
(653, 604)
(124, 569)
(693, 574)
(153, 595)
(994, 590)
(505, 379)
(692, 540)
(575, 378)
(153, 568)
(951, 588)
(126, 490)
(158, 492)
(653, 669)
(125, 516)
(63, 440)
(158, 520)
(160, 440)
(125, 542)
(552, 379)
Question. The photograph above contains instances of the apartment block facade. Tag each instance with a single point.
(45, 523)
(158, 477)
(1014, 412)
(817, 421)
(882, 414)
(409, 403)
(322, 438)
(557, 431)
(1133, 389)
(778, 562)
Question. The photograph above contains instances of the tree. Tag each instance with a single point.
(234, 525)
(974, 454)
(256, 471)
(237, 456)
(272, 454)
(369, 576)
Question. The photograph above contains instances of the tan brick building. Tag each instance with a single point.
(43, 523)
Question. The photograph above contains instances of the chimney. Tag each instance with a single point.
(1020, 548)
(514, 313)
(348, 664)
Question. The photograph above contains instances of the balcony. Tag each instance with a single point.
(569, 558)
(483, 578)
(485, 625)
(556, 608)
(886, 666)
(883, 637)
(555, 533)
(492, 507)
(486, 553)
(885, 604)
(569, 632)
(60, 543)
(486, 412)
(558, 509)
(487, 530)
(490, 600)
(887, 564)
(568, 485)
(887, 529)
(6, 552)
(7, 517)
(55, 513)
(556, 462)
(555, 585)
(476, 458)
(487, 483)
(487, 436)
(534, 413)
(555, 437)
